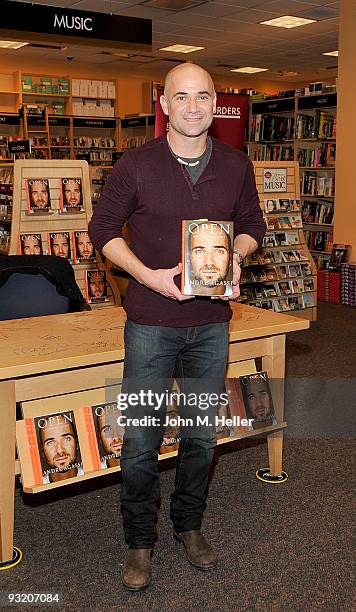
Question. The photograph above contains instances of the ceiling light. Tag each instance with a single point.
(333, 53)
(12, 44)
(287, 21)
(181, 48)
(249, 69)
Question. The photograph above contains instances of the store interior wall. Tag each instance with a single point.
(345, 206)
(130, 90)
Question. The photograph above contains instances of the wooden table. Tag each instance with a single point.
(46, 357)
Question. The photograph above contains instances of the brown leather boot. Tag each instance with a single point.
(199, 553)
(136, 571)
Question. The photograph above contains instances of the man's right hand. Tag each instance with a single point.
(162, 281)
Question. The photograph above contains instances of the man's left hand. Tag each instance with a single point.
(236, 274)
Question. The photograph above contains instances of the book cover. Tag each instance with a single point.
(269, 241)
(49, 448)
(271, 206)
(240, 423)
(38, 196)
(293, 237)
(83, 249)
(30, 244)
(71, 195)
(105, 434)
(257, 398)
(59, 244)
(207, 258)
(95, 286)
(339, 255)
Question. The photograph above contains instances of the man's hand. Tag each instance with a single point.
(236, 274)
(162, 281)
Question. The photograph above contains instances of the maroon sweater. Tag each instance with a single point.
(153, 192)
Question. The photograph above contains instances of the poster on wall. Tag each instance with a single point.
(229, 121)
(274, 179)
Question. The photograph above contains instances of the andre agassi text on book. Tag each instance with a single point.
(207, 248)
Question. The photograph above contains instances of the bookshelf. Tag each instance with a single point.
(136, 131)
(282, 275)
(302, 128)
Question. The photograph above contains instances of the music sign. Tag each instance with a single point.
(274, 179)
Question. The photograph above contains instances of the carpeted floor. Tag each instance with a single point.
(281, 547)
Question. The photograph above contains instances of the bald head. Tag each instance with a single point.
(186, 71)
(189, 100)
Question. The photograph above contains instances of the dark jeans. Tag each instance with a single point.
(152, 355)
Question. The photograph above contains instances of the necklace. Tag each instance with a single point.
(183, 161)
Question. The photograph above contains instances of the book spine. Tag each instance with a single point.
(34, 452)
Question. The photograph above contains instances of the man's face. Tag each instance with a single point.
(59, 444)
(209, 255)
(97, 285)
(72, 193)
(258, 398)
(31, 246)
(60, 245)
(39, 194)
(110, 431)
(85, 246)
(189, 101)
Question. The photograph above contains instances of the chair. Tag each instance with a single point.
(37, 285)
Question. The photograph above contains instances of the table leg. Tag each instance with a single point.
(274, 364)
(7, 468)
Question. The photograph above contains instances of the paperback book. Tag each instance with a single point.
(38, 196)
(30, 244)
(59, 244)
(207, 258)
(49, 448)
(71, 195)
(257, 398)
(95, 286)
(83, 249)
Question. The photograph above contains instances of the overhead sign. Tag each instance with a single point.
(22, 21)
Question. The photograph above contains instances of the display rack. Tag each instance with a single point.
(44, 222)
(136, 131)
(281, 275)
(6, 195)
(302, 128)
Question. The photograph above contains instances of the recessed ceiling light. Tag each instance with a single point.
(333, 53)
(12, 44)
(181, 48)
(249, 69)
(287, 21)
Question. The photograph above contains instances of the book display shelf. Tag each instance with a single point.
(51, 210)
(302, 128)
(282, 275)
(136, 131)
(6, 193)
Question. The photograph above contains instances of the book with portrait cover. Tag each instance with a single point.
(83, 249)
(339, 255)
(104, 435)
(257, 399)
(30, 244)
(95, 286)
(237, 407)
(71, 195)
(207, 248)
(59, 244)
(49, 449)
(38, 196)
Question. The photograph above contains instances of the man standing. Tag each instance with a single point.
(182, 175)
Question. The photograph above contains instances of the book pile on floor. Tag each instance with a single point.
(348, 284)
(329, 286)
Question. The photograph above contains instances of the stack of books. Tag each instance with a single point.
(329, 286)
(348, 284)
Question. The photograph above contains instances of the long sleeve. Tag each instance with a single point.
(249, 216)
(116, 203)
